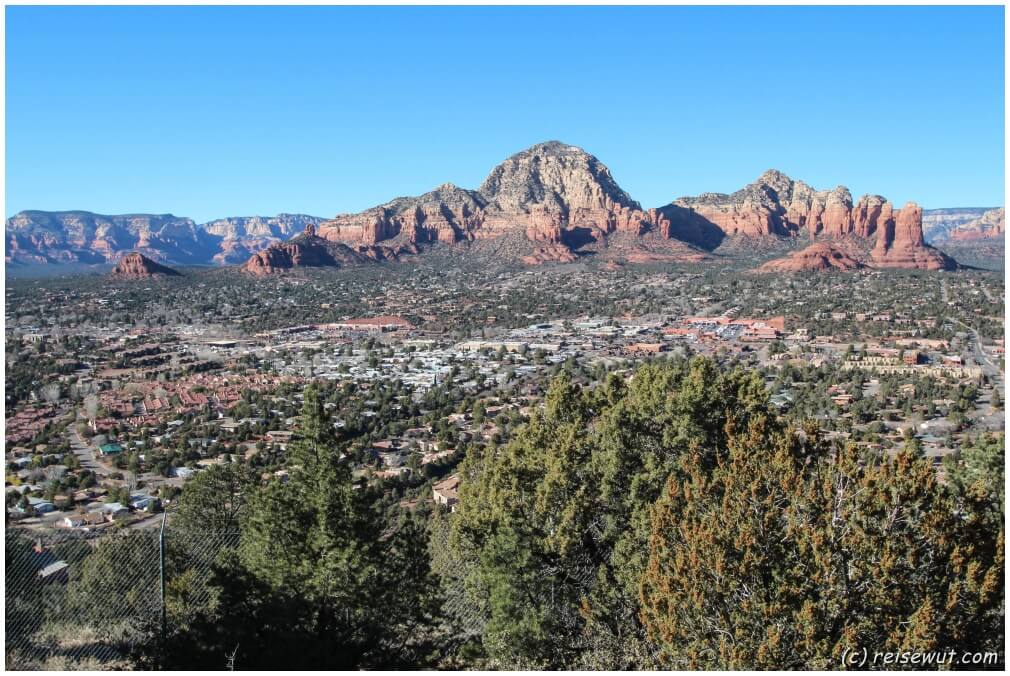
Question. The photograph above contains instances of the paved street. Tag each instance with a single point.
(84, 453)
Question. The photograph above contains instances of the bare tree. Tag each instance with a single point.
(91, 406)
(51, 393)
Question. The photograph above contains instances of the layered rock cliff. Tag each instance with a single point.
(136, 266)
(937, 224)
(85, 237)
(990, 225)
(776, 206)
(239, 237)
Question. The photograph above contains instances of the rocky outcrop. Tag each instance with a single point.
(85, 237)
(774, 205)
(447, 214)
(817, 256)
(241, 236)
(990, 225)
(135, 266)
(552, 253)
(312, 251)
(900, 244)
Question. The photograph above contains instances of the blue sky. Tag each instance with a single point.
(210, 112)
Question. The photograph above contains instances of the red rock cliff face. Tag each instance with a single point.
(137, 266)
(900, 244)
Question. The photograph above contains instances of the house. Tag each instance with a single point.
(114, 511)
(183, 472)
(38, 505)
(110, 449)
(82, 520)
(446, 492)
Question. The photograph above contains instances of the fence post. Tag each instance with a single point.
(161, 570)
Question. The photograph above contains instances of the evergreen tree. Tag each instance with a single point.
(782, 558)
(321, 578)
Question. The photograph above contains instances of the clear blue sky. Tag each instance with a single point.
(210, 112)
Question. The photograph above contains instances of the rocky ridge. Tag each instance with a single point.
(310, 250)
(85, 237)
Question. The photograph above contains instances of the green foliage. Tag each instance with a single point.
(558, 518)
(321, 578)
(672, 519)
(783, 559)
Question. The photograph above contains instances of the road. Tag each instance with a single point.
(84, 453)
(981, 357)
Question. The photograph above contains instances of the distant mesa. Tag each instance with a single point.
(138, 266)
(991, 225)
(818, 256)
(47, 237)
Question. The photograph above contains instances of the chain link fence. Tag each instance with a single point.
(85, 600)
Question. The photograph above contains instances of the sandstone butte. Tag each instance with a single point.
(990, 225)
(138, 266)
(898, 244)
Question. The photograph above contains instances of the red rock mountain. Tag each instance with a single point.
(138, 266)
(552, 193)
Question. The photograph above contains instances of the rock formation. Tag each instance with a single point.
(239, 237)
(774, 205)
(900, 244)
(311, 250)
(545, 203)
(990, 225)
(85, 237)
(138, 266)
(937, 224)
(817, 256)
(543, 192)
